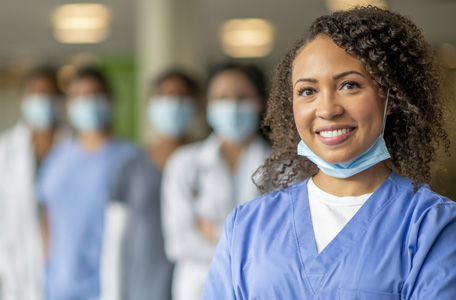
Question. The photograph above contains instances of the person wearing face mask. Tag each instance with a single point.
(357, 113)
(204, 181)
(135, 254)
(73, 187)
(22, 148)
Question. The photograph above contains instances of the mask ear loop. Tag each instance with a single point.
(384, 111)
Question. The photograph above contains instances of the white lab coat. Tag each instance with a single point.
(197, 184)
(21, 250)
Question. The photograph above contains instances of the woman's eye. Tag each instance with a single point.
(350, 85)
(306, 92)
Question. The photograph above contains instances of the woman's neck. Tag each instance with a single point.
(42, 142)
(359, 184)
(162, 149)
(92, 141)
(232, 153)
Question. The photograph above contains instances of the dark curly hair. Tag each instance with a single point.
(395, 54)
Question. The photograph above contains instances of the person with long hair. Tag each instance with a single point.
(204, 181)
(357, 114)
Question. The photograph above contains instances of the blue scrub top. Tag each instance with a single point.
(74, 186)
(399, 245)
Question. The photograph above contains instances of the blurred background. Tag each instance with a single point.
(133, 41)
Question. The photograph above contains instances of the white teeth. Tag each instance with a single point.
(334, 133)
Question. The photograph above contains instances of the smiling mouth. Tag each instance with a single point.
(335, 133)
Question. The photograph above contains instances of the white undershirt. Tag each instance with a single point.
(330, 213)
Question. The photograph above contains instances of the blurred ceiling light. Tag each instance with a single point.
(81, 23)
(448, 54)
(244, 38)
(335, 5)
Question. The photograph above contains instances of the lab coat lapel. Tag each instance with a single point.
(318, 267)
(24, 163)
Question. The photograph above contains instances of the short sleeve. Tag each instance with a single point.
(219, 282)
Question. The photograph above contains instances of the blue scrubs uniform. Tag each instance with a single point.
(399, 245)
(74, 186)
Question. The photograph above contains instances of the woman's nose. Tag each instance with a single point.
(328, 106)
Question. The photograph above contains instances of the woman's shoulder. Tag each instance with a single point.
(424, 203)
(193, 152)
(189, 149)
(123, 146)
(272, 204)
(138, 158)
(428, 202)
(62, 147)
(420, 193)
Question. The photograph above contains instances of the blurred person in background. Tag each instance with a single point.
(204, 181)
(22, 148)
(145, 272)
(73, 187)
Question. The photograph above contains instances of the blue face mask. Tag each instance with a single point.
(90, 113)
(39, 111)
(234, 120)
(375, 154)
(172, 116)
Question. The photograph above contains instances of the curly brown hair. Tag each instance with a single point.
(395, 54)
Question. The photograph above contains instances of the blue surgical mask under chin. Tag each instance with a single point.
(90, 113)
(376, 153)
(172, 116)
(39, 111)
(234, 120)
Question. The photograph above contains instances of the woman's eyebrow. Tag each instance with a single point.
(338, 76)
(335, 77)
(306, 80)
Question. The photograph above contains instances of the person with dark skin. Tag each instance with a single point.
(73, 187)
(137, 244)
(22, 148)
(204, 181)
(357, 114)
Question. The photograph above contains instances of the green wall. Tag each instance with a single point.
(121, 72)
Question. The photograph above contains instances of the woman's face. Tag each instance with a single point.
(89, 108)
(41, 85)
(234, 107)
(234, 85)
(85, 86)
(173, 86)
(336, 106)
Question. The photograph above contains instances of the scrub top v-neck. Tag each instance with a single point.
(388, 250)
(318, 266)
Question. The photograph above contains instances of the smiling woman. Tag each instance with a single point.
(338, 96)
(357, 106)
(392, 56)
